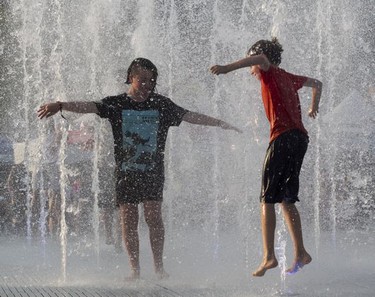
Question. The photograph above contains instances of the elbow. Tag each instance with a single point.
(319, 85)
(316, 85)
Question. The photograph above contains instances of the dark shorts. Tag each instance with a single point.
(282, 166)
(137, 187)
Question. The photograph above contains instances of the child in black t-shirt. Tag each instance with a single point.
(140, 121)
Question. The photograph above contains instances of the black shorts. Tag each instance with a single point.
(137, 187)
(282, 166)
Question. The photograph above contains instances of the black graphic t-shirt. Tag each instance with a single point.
(140, 130)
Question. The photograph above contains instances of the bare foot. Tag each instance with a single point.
(267, 264)
(161, 274)
(135, 275)
(299, 263)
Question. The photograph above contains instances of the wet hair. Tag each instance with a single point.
(143, 64)
(272, 49)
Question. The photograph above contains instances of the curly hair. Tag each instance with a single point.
(272, 49)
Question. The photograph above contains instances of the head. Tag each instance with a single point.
(271, 49)
(142, 75)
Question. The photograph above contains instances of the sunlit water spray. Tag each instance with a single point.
(215, 196)
(63, 225)
(76, 51)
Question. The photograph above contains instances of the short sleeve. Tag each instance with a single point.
(173, 113)
(297, 80)
(105, 107)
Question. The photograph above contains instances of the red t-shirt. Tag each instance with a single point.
(281, 100)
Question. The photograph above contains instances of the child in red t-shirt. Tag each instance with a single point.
(288, 145)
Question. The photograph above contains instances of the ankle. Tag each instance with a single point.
(161, 274)
(159, 269)
(136, 271)
(269, 257)
(301, 254)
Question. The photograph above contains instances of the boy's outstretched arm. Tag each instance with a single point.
(49, 109)
(316, 86)
(201, 119)
(260, 60)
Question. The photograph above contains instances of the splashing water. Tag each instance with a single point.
(69, 50)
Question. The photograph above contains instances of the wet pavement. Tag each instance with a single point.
(35, 269)
(18, 281)
(38, 269)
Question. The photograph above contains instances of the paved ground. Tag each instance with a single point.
(17, 281)
(30, 269)
(46, 291)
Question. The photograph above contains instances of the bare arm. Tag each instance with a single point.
(50, 109)
(260, 60)
(201, 119)
(316, 86)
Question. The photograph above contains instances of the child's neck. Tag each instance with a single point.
(135, 96)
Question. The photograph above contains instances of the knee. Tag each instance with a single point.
(129, 223)
(130, 227)
(288, 206)
(154, 221)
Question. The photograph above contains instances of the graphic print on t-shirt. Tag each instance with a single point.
(139, 144)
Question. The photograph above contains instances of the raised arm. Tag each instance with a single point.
(316, 86)
(49, 109)
(260, 60)
(201, 119)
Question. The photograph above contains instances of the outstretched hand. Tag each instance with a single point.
(48, 110)
(219, 69)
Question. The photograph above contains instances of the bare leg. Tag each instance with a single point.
(293, 221)
(129, 222)
(268, 220)
(155, 224)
